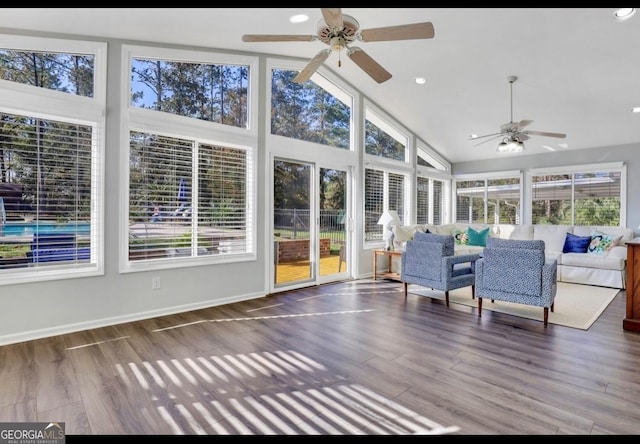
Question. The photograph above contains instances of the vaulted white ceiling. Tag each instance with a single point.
(578, 69)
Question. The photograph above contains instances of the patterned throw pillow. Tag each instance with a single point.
(460, 236)
(478, 238)
(601, 242)
(576, 244)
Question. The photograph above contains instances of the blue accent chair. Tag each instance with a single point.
(516, 271)
(429, 261)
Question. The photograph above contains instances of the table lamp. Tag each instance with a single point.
(389, 219)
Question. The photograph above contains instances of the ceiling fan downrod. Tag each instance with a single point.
(511, 79)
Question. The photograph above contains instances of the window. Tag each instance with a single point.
(427, 158)
(69, 73)
(170, 199)
(383, 190)
(316, 111)
(430, 201)
(212, 92)
(584, 195)
(382, 139)
(51, 126)
(493, 200)
(191, 191)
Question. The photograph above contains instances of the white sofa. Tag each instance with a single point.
(605, 269)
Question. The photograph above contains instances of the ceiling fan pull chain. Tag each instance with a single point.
(339, 59)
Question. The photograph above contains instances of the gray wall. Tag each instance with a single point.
(629, 154)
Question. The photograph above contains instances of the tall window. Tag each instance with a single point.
(388, 175)
(430, 201)
(191, 191)
(586, 195)
(51, 126)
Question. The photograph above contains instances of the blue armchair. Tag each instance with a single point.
(429, 261)
(516, 271)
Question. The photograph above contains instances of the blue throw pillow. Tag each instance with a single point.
(478, 238)
(576, 244)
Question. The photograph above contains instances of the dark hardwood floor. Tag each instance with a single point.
(347, 358)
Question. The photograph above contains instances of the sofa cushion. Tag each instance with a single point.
(552, 235)
(404, 233)
(478, 238)
(576, 244)
(517, 232)
(605, 262)
(467, 249)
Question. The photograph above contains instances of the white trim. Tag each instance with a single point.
(586, 168)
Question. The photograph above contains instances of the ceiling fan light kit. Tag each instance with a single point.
(338, 31)
(510, 146)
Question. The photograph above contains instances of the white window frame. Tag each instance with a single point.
(45, 103)
(146, 120)
(486, 177)
(620, 167)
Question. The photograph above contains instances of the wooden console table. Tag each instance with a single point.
(632, 321)
(389, 274)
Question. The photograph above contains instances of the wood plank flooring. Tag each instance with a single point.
(348, 358)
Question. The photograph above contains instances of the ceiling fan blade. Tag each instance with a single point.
(546, 134)
(495, 137)
(399, 32)
(333, 17)
(486, 135)
(368, 65)
(524, 123)
(312, 66)
(522, 137)
(277, 38)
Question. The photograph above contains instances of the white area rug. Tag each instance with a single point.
(576, 305)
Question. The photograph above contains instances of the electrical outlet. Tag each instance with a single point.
(155, 283)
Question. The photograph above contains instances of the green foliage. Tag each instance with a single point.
(308, 112)
(13, 251)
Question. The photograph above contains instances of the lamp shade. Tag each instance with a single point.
(390, 218)
(509, 145)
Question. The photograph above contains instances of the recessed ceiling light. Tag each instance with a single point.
(624, 13)
(548, 148)
(298, 18)
(635, 109)
(473, 136)
(420, 80)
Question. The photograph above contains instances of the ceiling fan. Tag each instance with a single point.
(513, 133)
(339, 31)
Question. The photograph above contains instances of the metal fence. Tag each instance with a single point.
(295, 223)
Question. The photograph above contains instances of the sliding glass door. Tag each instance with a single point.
(310, 224)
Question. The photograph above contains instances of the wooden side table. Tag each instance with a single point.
(632, 321)
(389, 274)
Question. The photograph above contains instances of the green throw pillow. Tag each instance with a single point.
(478, 238)
(460, 236)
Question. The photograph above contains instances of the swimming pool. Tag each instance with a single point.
(29, 228)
